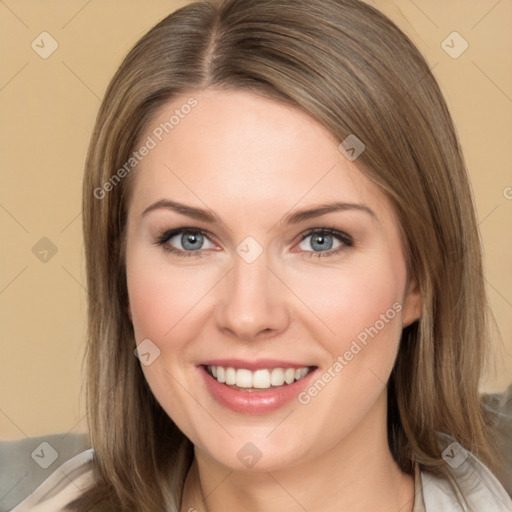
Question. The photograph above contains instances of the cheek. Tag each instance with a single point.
(150, 303)
(354, 298)
(162, 297)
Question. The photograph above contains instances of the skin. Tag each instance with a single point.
(251, 161)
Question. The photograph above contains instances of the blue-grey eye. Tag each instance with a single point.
(191, 240)
(319, 242)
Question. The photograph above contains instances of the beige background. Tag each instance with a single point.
(48, 108)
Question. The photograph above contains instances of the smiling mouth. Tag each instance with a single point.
(261, 379)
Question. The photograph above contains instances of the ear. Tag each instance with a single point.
(412, 304)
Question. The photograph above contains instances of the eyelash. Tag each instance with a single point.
(345, 239)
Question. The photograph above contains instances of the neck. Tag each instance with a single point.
(358, 474)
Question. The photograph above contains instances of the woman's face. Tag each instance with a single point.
(248, 292)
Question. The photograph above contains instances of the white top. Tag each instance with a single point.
(471, 480)
(63, 486)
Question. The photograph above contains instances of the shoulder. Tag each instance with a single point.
(43, 474)
(471, 486)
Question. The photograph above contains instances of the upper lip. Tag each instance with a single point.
(254, 364)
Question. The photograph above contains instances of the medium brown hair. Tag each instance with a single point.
(355, 72)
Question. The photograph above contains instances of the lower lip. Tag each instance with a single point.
(254, 402)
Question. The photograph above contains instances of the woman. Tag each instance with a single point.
(278, 224)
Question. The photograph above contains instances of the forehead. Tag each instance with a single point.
(234, 148)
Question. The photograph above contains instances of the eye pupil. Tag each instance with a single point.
(191, 240)
(322, 241)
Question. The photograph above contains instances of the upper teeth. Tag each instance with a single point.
(260, 379)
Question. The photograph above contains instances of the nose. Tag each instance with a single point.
(253, 302)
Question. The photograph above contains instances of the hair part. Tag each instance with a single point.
(337, 61)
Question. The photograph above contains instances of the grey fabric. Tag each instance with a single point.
(26, 463)
(470, 487)
(500, 407)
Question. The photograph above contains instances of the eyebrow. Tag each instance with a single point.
(291, 218)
